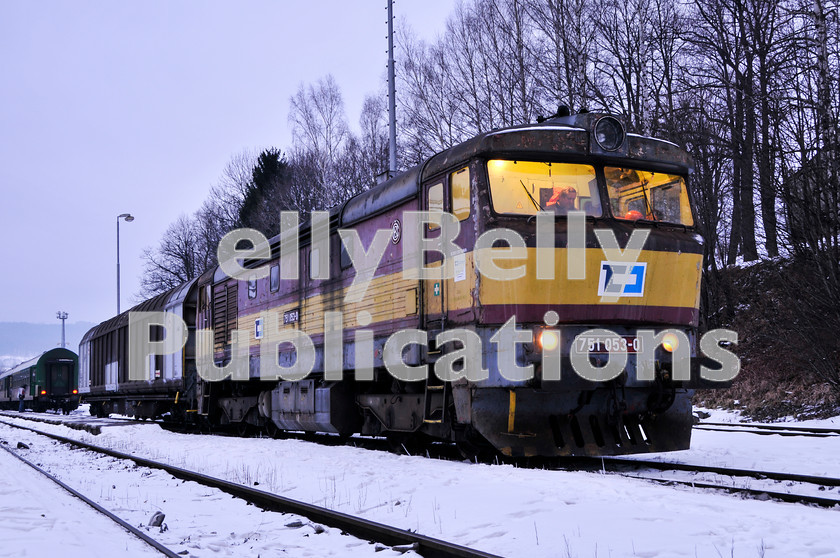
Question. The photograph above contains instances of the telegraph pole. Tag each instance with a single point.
(392, 96)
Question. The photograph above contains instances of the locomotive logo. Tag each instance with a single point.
(396, 231)
(622, 279)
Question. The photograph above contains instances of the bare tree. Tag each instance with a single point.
(365, 157)
(564, 49)
(181, 256)
(319, 131)
(428, 101)
(721, 66)
(224, 203)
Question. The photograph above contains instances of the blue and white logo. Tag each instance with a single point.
(622, 279)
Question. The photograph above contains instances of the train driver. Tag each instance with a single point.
(562, 200)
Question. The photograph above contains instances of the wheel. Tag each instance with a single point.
(474, 447)
(272, 430)
(402, 443)
(476, 453)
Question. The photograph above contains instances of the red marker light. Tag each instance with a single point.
(43, 392)
(75, 391)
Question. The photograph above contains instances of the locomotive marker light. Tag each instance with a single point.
(670, 342)
(548, 340)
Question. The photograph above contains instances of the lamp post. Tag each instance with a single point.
(62, 316)
(128, 219)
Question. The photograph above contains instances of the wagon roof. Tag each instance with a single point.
(34, 361)
(155, 304)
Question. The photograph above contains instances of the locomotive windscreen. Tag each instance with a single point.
(525, 187)
(653, 196)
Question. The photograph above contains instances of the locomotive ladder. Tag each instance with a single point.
(435, 403)
(204, 398)
(436, 400)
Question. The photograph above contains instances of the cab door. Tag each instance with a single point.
(58, 378)
(459, 304)
(433, 289)
(451, 299)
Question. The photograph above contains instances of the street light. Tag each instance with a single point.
(128, 219)
(62, 316)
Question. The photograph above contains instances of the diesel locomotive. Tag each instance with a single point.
(552, 308)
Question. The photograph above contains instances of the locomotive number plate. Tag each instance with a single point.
(602, 345)
(291, 316)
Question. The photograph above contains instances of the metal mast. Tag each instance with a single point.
(62, 316)
(392, 96)
(128, 219)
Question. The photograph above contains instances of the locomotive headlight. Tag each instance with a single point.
(548, 340)
(609, 133)
(670, 342)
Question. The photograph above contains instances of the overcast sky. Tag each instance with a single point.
(136, 107)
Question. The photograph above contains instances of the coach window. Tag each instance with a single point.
(435, 200)
(459, 183)
(275, 278)
(252, 287)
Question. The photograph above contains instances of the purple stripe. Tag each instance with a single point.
(500, 313)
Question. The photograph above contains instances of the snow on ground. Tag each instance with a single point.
(719, 415)
(524, 512)
(199, 521)
(744, 450)
(39, 518)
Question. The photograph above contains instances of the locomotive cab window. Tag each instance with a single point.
(459, 183)
(526, 187)
(650, 196)
(435, 200)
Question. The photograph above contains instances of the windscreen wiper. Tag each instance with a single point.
(535, 202)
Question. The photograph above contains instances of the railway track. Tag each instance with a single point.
(356, 526)
(125, 525)
(631, 467)
(626, 467)
(769, 429)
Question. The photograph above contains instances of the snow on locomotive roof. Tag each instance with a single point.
(22, 366)
(536, 128)
(653, 139)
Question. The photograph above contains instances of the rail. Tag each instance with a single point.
(356, 526)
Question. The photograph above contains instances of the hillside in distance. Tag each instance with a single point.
(21, 340)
